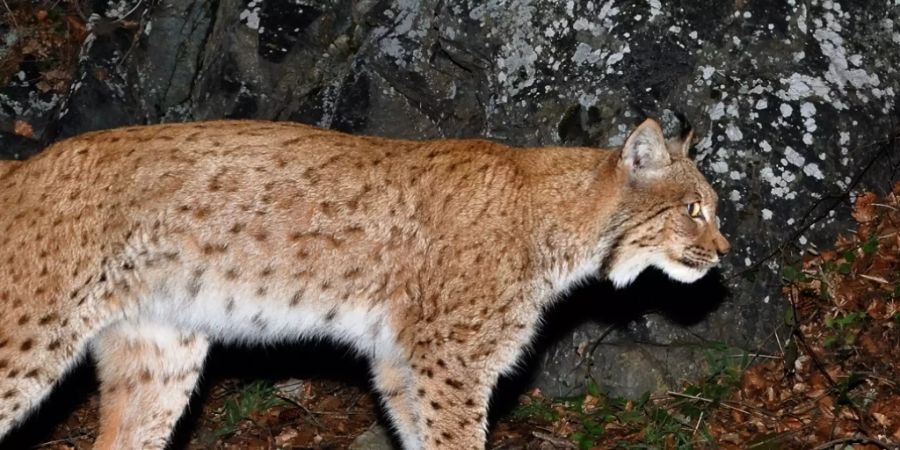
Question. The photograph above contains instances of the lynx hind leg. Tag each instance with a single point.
(147, 375)
(392, 380)
(35, 354)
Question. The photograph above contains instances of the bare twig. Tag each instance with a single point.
(557, 442)
(311, 416)
(699, 421)
(707, 400)
(76, 5)
(131, 11)
(67, 439)
(780, 347)
(756, 355)
(12, 17)
(773, 438)
(885, 206)
(858, 440)
(874, 278)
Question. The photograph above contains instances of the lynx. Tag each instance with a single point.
(435, 259)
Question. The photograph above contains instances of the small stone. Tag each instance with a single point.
(375, 438)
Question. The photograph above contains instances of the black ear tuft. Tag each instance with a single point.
(686, 128)
(679, 145)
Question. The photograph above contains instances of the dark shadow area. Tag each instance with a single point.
(599, 301)
(65, 398)
(17, 147)
(311, 360)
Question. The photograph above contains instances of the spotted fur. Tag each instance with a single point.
(435, 259)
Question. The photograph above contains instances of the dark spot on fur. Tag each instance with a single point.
(258, 321)
(47, 319)
(194, 285)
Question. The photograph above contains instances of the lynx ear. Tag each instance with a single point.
(645, 150)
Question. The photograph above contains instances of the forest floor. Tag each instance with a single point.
(832, 384)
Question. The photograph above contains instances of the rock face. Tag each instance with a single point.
(794, 103)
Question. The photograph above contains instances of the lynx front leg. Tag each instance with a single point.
(392, 379)
(453, 400)
(147, 375)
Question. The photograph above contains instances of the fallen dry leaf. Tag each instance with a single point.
(863, 208)
(23, 128)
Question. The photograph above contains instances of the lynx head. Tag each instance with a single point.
(668, 211)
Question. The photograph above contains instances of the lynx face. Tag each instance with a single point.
(671, 212)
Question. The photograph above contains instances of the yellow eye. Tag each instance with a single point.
(694, 210)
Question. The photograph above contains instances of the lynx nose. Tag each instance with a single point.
(722, 245)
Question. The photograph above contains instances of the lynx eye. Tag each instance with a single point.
(693, 210)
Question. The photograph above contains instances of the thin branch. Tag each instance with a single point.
(858, 440)
(131, 11)
(707, 400)
(874, 278)
(557, 442)
(67, 439)
(699, 421)
(12, 17)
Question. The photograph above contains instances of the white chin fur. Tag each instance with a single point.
(624, 272)
(682, 273)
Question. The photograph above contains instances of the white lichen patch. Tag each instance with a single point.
(793, 157)
(655, 8)
(812, 169)
(840, 72)
(717, 111)
(807, 109)
(250, 15)
(786, 110)
(733, 132)
(845, 138)
(719, 167)
(780, 183)
(120, 9)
